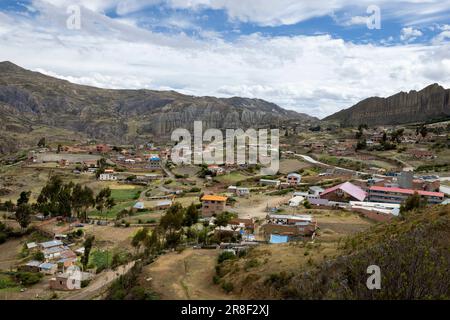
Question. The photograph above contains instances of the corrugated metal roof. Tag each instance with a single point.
(210, 197)
(349, 188)
(407, 191)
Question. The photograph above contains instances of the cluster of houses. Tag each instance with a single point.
(59, 262)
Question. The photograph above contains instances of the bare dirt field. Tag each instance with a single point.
(9, 253)
(292, 165)
(110, 236)
(185, 275)
(256, 205)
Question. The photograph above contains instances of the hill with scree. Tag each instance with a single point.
(430, 103)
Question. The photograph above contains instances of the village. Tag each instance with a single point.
(331, 183)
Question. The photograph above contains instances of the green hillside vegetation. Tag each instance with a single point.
(413, 253)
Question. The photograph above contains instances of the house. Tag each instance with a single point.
(247, 224)
(107, 177)
(241, 192)
(90, 163)
(31, 245)
(293, 179)
(63, 162)
(163, 204)
(50, 244)
(344, 192)
(296, 201)
(154, 162)
(103, 148)
(70, 280)
(48, 268)
(212, 204)
(284, 228)
(54, 252)
(316, 190)
(398, 195)
(379, 207)
(421, 154)
(267, 182)
(31, 266)
(216, 169)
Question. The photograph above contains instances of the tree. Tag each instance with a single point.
(48, 199)
(24, 197)
(139, 238)
(223, 218)
(8, 205)
(87, 250)
(414, 201)
(396, 135)
(104, 200)
(59, 148)
(171, 223)
(82, 199)
(423, 131)
(41, 143)
(23, 215)
(191, 216)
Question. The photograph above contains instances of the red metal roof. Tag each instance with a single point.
(407, 191)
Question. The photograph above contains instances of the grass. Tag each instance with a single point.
(100, 259)
(125, 194)
(232, 177)
(110, 214)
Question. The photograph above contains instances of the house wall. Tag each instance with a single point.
(212, 207)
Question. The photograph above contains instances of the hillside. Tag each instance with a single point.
(430, 103)
(413, 254)
(30, 99)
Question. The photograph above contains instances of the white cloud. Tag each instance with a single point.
(410, 34)
(313, 74)
(280, 12)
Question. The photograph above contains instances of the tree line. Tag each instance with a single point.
(61, 199)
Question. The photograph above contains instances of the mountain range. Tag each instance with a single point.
(32, 103)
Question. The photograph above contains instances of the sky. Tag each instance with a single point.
(315, 57)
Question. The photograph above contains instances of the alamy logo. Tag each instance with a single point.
(374, 281)
(74, 20)
(241, 147)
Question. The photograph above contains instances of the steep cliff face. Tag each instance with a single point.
(430, 103)
(123, 116)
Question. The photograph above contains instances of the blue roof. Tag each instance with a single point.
(47, 265)
(275, 238)
(154, 158)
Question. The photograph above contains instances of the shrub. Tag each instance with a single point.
(39, 256)
(228, 287)
(28, 278)
(226, 255)
(2, 237)
(252, 263)
(216, 279)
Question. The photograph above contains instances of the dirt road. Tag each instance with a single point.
(185, 275)
(100, 284)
